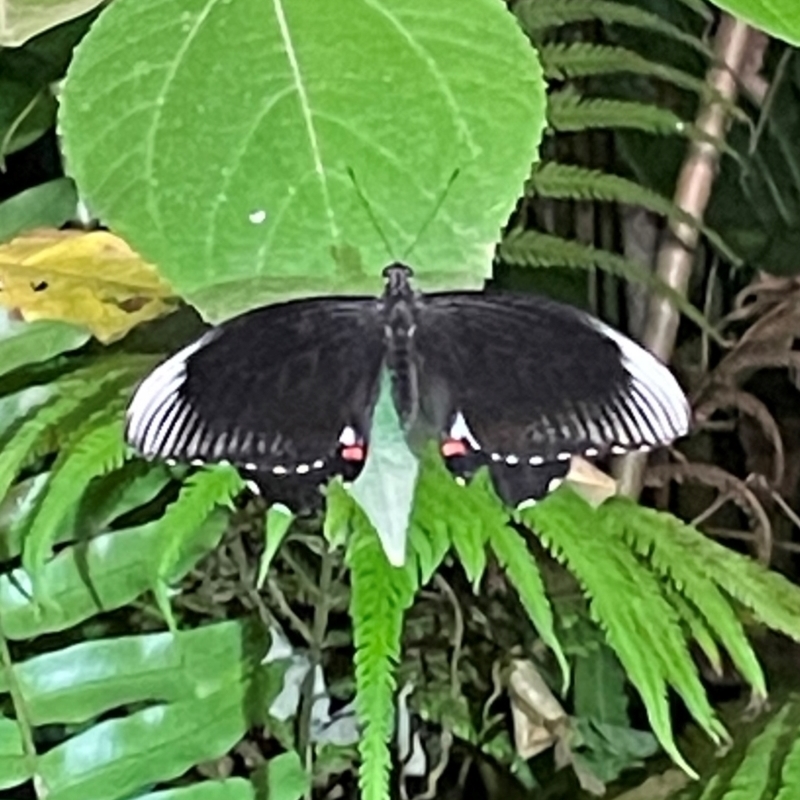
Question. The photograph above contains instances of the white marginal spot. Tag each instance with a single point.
(512, 460)
(554, 484)
(618, 450)
(171, 462)
(250, 466)
(536, 461)
(253, 487)
(224, 462)
(257, 217)
(197, 462)
(563, 456)
(652, 380)
(318, 464)
(302, 469)
(279, 470)
(529, 503)
(460, 481)
(497, 457)
(591, 452)
(348, 437)
(460, 431)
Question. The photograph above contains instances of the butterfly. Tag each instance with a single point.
(518, 383)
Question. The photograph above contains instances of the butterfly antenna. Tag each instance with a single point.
(371, 213)
(437, 206)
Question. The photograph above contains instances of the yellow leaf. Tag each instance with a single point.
(92, 279)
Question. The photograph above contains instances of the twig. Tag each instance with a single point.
(24, 722)
(674, 265)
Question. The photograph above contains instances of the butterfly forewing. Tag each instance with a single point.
(535, 380)
(272, 389)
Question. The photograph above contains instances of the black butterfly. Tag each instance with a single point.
(519, 383)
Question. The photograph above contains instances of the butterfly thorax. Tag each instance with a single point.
(399, 326)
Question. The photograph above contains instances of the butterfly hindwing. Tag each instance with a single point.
(271, 390)
(538, 381)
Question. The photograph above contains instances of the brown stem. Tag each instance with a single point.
(696, 179)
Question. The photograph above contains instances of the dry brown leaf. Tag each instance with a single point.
(88, 278)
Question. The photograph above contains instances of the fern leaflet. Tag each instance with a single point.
(627, 601)
(538, 15)
(569, 182)
(536, 249)
(586, 59)
(568, 111)
(651, 534)
(380, 595)
(98, 447)
(520, 566)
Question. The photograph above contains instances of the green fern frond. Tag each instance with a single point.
(650, 533)
(643, 629)
(467, 516)
(519, 564)
(532, 248)
(339, 509)
(97, 448)
(83, 390)
(586, 59)
(203, 492)
(697, 627)
(569, 111)
(571, 182)
(380, 596)
(538, 15)
(773, 599)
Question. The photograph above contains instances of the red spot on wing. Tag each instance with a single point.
(354, 452)
(454, 447)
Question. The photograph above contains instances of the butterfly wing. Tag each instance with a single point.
(533, 381)
(271, 390)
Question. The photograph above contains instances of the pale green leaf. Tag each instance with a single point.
(276, 525)
(48, 205)
(14, 766)
(26, 343)
(268, 194)
(385, 487)
(286, 778)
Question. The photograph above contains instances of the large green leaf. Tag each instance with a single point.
(23, 343)
(80, 682)
(120, 756)
(781, 18)
(121, 568)
(223, 140)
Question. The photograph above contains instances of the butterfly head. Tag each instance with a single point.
(397, 280)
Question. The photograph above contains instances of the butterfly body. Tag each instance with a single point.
(518, 383)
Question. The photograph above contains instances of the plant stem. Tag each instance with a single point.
(692, 194)
(21, 713)
(318, 632)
